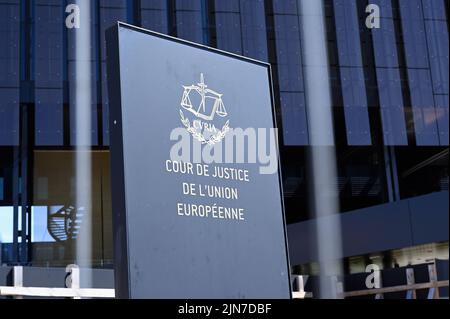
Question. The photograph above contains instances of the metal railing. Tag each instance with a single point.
(299, 292)
(18, 291)
(410, 288)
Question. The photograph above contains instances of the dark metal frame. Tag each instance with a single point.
(114, 90)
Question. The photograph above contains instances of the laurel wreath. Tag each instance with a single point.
(215, 138)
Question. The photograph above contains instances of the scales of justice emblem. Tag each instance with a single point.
(204, 104)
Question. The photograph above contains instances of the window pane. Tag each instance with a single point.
(434, 9)
(9, 72)
(94, 55)
(437, 33)
(9, 116)
(49, 117)
(385, 8)
(422, 104)
(6, 224)
(384, 44)
(294, 118)
(48, 73)
(189, 20)
(284, 6)
(228, 31)
(48, 45)
(391, 107)
(414, 37)
(9, 46)
(72, 104)
(254, 34)
(352, 79)
(110, 13)
(347, 33)
(355, 106)
(287, 41)
(441, 102)
(154, 15)
(40, 230)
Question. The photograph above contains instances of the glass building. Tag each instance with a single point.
(389, 129)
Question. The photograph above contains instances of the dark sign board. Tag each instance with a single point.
(189, 220)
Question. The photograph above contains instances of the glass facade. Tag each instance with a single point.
(389, 94)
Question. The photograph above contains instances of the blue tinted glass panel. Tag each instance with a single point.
(391, 107)
(95, 52)
(287, 38)
(189, 5)
(434, 9)
(6, 224)
(226, 6)
(422, 104)
(285, 6)
(385, 48)
(441, 102)
(9, 44)
(347, 33)
(9, 116)
(253, 26)
(414, 36)
(49, 117)
(72, 100)
(293, 111)
(385, 8)
(9, 71)
(228, 31)
(113, 3)
(189, 25)
(437, 33)
(48, 66)
(48, 45)
(154, 4)
(48, 2)
(355, 106)
(40, 232)
(71, 50)
(154, 15)
(110, 13)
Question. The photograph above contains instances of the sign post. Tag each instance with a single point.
(197, 198)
